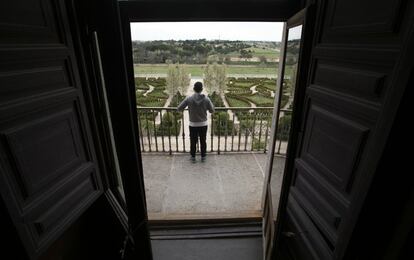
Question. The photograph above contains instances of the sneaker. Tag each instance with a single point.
(192, 159)
(203, 158)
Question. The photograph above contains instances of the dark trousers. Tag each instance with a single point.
(195, 133)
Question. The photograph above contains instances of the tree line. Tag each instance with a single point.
(192, 51)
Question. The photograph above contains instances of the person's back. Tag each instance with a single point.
(198, 105)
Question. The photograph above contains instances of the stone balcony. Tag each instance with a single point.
(228, 185)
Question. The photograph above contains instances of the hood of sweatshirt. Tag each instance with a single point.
(198, 98)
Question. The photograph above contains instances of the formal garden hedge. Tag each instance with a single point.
(176, 100)
(216, 100)
(156, 98)
(146, 121)
(284, 127)
(236, 101)
(223, 124)
(238, 94)
(170, 125)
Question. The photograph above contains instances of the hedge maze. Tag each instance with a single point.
(240, 92)
(155, 98)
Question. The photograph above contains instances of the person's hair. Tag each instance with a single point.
(198, 87)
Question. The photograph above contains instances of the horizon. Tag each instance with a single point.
(210, 31)
(208, 40)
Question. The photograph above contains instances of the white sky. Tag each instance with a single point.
(243, 31)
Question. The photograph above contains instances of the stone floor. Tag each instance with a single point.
(244, 248)
(225, 186)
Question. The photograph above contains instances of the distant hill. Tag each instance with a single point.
(201, 51)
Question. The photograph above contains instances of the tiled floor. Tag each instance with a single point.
(225, 186)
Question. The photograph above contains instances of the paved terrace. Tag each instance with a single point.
(225, 186)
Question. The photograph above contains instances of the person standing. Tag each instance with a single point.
(198, 105)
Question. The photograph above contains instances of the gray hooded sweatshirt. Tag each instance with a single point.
(198, 104)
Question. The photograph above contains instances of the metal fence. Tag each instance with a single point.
(235, 129)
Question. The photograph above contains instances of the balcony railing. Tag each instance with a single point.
(235, 129)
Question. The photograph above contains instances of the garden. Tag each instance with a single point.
(239, 92)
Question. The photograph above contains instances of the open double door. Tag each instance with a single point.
(350, 76)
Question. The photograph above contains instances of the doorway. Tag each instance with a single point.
(237, 63)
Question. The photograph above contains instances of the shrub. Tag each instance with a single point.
(239, 91)
(283, 128)
(284, 100)
(258, 145)
(150, 101)
(170, 125)
(237, 101)
(142, 87)
(216, 100)
(157, 93)
(156, 98)
(222, 124)
(264, 91)
(246, 124)
(176, 100)
(146, 121)
(261, 101)
(247, 119)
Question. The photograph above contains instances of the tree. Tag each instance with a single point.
(173, 79)
(245, 54)
(209, 82)
(215, 78)
(262, 59)
(184, 79)
(293, 79)
(178, 79)
(221, 77)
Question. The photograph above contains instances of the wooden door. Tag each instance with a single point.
(48, 170)
(357, 75)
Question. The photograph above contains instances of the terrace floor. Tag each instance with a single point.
(225, 186)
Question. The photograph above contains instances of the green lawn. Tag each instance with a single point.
(243, 84)
(234, 102)
(268, 53)
(197, 70)
(261, 101)
(256, 52)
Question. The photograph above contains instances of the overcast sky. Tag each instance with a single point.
(244, 31)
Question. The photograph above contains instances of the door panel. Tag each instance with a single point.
(48, 171)
(305, 241)
(348, 95)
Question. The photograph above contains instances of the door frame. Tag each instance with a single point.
(130, 11)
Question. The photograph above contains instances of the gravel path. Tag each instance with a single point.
(151, 88)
